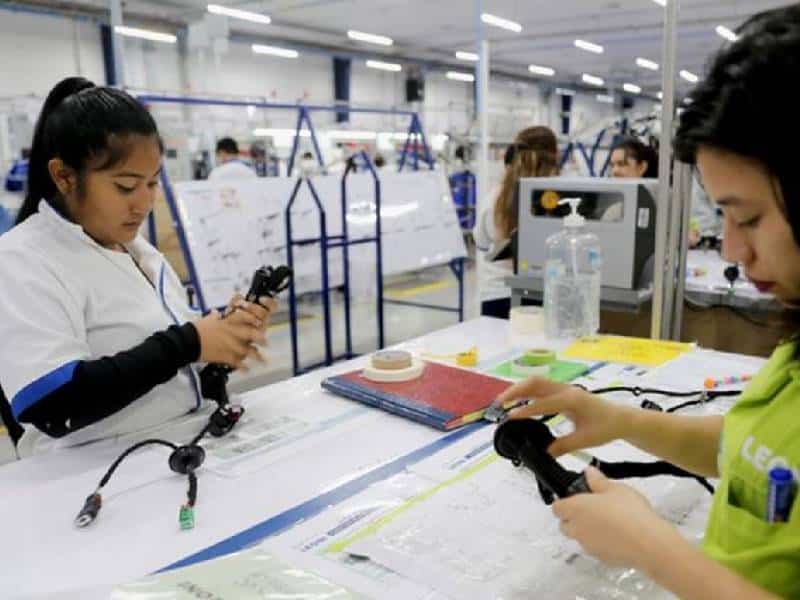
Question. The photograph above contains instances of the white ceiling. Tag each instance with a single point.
(432, 30)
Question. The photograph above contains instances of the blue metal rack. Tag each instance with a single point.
(326, 243)
(415, 147)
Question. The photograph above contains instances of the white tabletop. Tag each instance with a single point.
(341, 448)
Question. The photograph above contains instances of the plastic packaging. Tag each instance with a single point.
(572, 279)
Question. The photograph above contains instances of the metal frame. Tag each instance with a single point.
(663, 293)
(326, 242)
(303, 119)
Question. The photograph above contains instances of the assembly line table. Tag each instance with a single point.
(337, 450)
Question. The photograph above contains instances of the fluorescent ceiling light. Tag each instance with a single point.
(632, 88)
(370, 38)
(661, 2)
(346, 134)
(456, 76)
(592, 80)
(275, 51)
(589, 46)
(539, 70)
(269, 132)
(689, 76)
(729, 35)
(565, 92)
(384, 66)
(647, 64)
(501, 23)
(245, 15)
(470, 56)
(605, 99)
(660, 95)
(145, 34)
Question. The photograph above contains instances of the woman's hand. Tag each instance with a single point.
(596, 421)
(230, 340)
(261, 310)
(616, 524)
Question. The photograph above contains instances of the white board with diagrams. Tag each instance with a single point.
(233, 227)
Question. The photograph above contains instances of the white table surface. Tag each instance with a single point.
(44, 555)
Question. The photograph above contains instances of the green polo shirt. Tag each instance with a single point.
(760, 432)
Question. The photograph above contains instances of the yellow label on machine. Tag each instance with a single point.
(626, 350)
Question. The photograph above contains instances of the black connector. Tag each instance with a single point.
(650, 405)
(186, 459)
(525, 442)
(90, 509)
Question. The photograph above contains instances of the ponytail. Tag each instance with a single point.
(80, 123)
(40, 184)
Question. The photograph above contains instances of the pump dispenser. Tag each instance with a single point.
(572, 278)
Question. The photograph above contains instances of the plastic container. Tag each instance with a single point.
(572, 277)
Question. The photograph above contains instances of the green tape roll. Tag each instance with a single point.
(538, 357)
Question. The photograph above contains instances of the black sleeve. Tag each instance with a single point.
(101, 387)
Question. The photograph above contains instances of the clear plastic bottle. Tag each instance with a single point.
(572, 276)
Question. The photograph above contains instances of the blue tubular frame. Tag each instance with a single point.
(324, 243)
(303, 117)
(176, 223)
(415, 133)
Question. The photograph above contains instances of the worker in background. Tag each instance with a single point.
(632, 159)
(534, 153)
(379, 162)
(739, 133)
(229, 163)
(98, 339)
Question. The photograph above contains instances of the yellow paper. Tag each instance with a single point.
(626, 350)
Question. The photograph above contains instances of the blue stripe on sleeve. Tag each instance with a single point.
(39, 388)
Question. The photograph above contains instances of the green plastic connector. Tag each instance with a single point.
(186, 517)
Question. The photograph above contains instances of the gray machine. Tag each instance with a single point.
(621, 212)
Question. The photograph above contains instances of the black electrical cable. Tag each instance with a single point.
(129, 451)
(629, 469)
(267, 281)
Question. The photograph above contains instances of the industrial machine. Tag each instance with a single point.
(621, 212)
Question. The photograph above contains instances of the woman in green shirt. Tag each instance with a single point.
(739, 130)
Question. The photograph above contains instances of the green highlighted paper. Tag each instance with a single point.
(560, 371)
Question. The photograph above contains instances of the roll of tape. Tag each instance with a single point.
(416, 369)
(468, 358)
(391, 360)
(520, 369)
(537, 357)
(527, 319)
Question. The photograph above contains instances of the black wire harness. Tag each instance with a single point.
(186, 459)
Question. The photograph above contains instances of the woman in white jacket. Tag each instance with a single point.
(534, 153)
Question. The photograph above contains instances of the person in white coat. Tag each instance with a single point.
(98, 338)
(534, 153)
(229, 162)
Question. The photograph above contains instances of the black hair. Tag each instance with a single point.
(86, 127)
(228, 145)
(747, 103)
(640, 152)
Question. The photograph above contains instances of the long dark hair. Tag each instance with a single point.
(747, 105)
(534, 153)
(86, 127)
(640, 152)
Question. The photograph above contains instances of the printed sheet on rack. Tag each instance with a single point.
(233, 227)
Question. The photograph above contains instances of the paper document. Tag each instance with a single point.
(625, 350)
